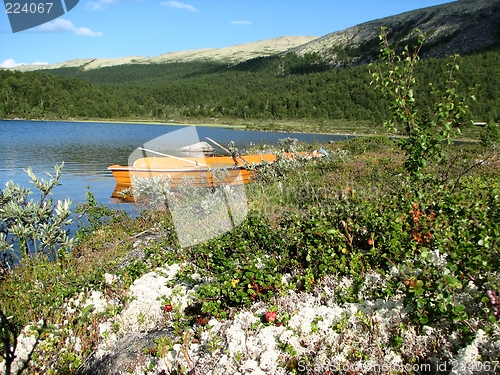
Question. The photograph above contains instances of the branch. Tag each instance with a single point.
(7, 328)
(479, 163)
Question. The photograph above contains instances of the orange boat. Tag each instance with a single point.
(201, 170)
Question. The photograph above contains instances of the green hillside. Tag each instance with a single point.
(273, 88)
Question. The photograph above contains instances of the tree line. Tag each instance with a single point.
(278, 87)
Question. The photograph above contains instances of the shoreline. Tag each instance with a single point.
(235, 126)
(201, 124)
(130, 281)
(126, 122)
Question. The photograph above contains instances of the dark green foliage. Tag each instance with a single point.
(8, 341)
(95, 215)
(41, 95)
(355, 216)
(367, 144)
(308, 63)
(141, 74)
(278, 87)
(490, 136)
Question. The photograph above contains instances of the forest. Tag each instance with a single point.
(275, 88)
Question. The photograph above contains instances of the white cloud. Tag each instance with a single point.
(60, 25)
(241, 23)
(96, 5)
(179, 5)
(10, 63)
(85, 31)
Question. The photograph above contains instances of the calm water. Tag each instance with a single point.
(87, 149)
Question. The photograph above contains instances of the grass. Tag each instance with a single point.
(309, 219)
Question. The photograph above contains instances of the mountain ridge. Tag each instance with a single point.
(232, 55)
(463, 27)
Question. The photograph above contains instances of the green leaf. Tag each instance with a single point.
(86, 311)
(449, 279)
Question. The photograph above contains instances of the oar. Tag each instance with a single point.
(225, 149)
(173, 157)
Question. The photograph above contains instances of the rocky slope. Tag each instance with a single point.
(463, 27)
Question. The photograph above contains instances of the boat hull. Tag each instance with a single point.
(202, 171)
(202, 176)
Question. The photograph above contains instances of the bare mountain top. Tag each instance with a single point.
(464, 27)
(233, 54)
(240, 52)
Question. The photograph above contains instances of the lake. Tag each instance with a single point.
(88, 148)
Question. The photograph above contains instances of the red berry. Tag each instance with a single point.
(202, 320)
(271, 316)
(370, 241)
(168, 308)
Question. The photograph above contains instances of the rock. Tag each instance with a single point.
(197, 147)
(129, 354)
(26, 344)
(136, 255)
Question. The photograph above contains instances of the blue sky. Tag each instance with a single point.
(118, 28)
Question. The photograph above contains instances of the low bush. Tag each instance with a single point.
(345, 217)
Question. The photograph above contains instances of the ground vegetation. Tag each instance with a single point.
(385, 254)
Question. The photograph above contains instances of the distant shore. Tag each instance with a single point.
(333, 127)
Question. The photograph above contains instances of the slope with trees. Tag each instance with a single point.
(277, 88)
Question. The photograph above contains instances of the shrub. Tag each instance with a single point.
(427, 137)
(490, 136)
(361, 145)
(30, 228)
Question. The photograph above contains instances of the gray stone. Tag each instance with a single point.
(197, 147)
(136, 255)
(128, 354)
